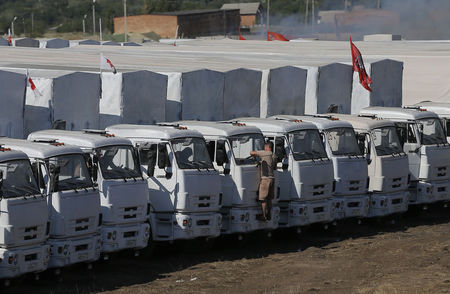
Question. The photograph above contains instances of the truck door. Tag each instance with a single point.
(407, 133)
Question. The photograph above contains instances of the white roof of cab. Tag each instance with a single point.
(224, 129)
(364, 123)
(151, 131)
(322, 122)
(39, 150)
(7, 155)
(275, 126)
(78, 138)
(397, 113)
(440, 108)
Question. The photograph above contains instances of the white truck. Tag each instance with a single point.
(184, 187)
(73, 201)
(351, 178)
(387, 164)
(229, 147)
(23, 218)
(114, 167)
(423, 140)
(304, 171)
(442, 109)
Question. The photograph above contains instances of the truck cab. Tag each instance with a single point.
(184, 187)
(23, 218)
(387, 164)
(229, 147)
(442, 109)
(305, 173)
(351, 182)
(114, 169)
(73, 201)
(423, 139)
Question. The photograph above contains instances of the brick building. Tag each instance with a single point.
(190, 24)
(251, 13)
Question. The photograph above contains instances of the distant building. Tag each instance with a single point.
(251, 13)
(183, 24)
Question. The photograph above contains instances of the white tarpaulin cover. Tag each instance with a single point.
(57, 43)
(242, 93)
(12, 101)
(144, 97)
(334, 87)
(38, 109)
(133, 98)
(387, 80)
(173, 102)
(202, 95)
(26, 42)
(286, 90)
(76, 100)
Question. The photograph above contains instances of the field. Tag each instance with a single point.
(410, 256)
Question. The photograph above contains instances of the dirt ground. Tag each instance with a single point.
(410, 256)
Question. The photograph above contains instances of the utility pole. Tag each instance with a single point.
(100, 28)
(93, 17)
(32, 22)
(268, 13)
(125, 19)
(313, 17)
(379, 4)
(84, 25)
(306, 12)
(12, 25)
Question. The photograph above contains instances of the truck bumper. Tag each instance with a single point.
(74, 250)
(129, 236)
(350, 206)
(245, 219)
(19, 261)
(196, 225)
(389, 203)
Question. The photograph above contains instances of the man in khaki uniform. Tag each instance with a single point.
(268, 164)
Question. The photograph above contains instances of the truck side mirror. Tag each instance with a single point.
(163, 157)
(151, 162)
(93, 167)
(54, 176)
(1, 181)
(220, 157)
(280, 153)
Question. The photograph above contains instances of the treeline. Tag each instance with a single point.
(35, 17)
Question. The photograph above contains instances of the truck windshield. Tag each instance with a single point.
(191, 153)
(386, 141)
(18, 179)
(432, 131)
(306, 145)
(118, 162)
(70, 172)
(242, 145)
(342, 141)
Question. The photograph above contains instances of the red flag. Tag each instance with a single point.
(271, 36)
(358, 66)
(105, 63)
(240, 36)
(31, 84)
(9, 37)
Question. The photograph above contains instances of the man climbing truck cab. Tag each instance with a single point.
(423, 140)
(442, 109)
(114, 167)
(184, 187)
(23, 218)
(229, 146)
(73, 201)
(304, 171)
(351, 182)
(387, 164)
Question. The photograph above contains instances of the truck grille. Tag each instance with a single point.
(442, 171)
(396, 182)
(204, 201)
(130, 212)
(318, 190)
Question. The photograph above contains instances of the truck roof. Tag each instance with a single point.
(440, 108)
(7, 154)
(273, 125)
(152, 131)
(366, 123)
(225, 129)
(320, 121)
(39, 150)
(78, 138)
(397, 113)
